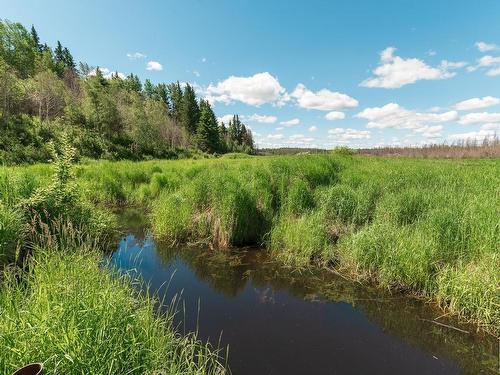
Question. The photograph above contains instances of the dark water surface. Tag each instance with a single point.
(276, 321)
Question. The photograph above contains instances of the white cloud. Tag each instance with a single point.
(154, 65)
(485, 47)
(280, 128)
(312, 128)
(445, 64)
(203, 59)
(431, 52)
(136, 56)
(225, 119)
(394, 71)
(300, 139)
(430, 131)
(107, 73)
(275, 136)
(323, 100)
(491, 63)
(479, 135)
(479, 118)
(292, 122)
(493, 72)
(491, 126)
(488, 61)
(196, 73)
(476, 103)
(261, 118)
(346, 134)
(335, 115)
(254, 90)
(392, 115)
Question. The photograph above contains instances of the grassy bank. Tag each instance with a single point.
(79, 318)
(59, 304)
(428, 227)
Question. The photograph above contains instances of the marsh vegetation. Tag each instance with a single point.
(428, 228)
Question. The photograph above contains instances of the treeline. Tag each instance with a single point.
(43, 94)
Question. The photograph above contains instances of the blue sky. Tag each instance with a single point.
(302, 73)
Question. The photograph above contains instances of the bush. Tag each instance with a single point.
(60, 201)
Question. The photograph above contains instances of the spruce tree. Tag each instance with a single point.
(175, 93)
(223, 135)
(133, 83)
(59, 52)
(161, 94)
(67, 59)
(190, 111)
(148, 89)
(207, 136)
(36, 39)
(59, 64)
(100, 77)
(232, 134)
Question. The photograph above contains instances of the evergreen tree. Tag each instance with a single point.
(175, 94)
(133, 83)
(100, 77)
(149, 89)
(161, 94)
(207, 136)
(232, 134)
(247, 138)
(67, 59)
(223, 138)
(190, 111)
(59, 64)
(36, 39)
(59, 52)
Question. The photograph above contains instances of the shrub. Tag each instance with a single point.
(60, 201)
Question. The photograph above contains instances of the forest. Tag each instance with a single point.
(45, 94)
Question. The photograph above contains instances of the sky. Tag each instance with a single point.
(302, 73)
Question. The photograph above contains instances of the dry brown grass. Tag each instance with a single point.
(488, 148)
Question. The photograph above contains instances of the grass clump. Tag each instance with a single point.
(472, 290)
(11, 232)
(299, 240)
(79, 318)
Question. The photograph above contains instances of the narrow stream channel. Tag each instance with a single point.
(276, 321)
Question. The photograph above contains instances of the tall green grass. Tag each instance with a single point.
(11, 232)
(418, 225)
(62, 306)
(79, 318)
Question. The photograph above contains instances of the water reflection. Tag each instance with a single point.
(277, 321)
